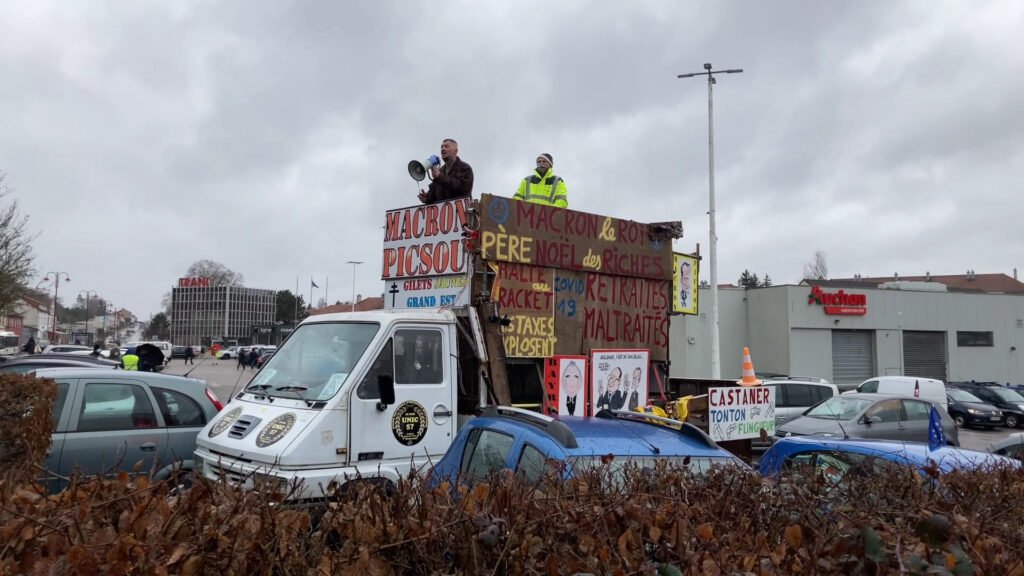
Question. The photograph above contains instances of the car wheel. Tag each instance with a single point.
(960, 421)
(1011, 421)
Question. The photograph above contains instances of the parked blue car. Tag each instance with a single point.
(835, 457)
(524, 441)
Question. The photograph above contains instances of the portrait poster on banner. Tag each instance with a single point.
(565, 383)
(618, 378)
(685, 270)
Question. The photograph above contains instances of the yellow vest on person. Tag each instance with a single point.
(548, 190)
(130, 361)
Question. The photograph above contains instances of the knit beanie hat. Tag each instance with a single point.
(548, 156)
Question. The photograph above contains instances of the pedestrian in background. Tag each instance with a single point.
(189, 355)
(253, 355)
(242, 358)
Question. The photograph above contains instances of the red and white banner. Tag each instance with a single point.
(425, 241)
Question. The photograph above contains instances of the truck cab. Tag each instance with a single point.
(350, 396)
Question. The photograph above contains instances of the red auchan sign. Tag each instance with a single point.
(839, 303)
(193, 282)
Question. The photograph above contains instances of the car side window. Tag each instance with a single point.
(1013, 451)
(780, 396)
(384, 364)
(799, 395)
(486, 453)
(870, 387)
(20, 368)
(821, 393)
(530, 467)
(115, 407)
(916, 410)
(886, 410)
(418, 357)
(58, 406)
(985, 395)
(178, 409)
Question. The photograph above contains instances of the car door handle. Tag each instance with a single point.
(442, 413)
(148, 447)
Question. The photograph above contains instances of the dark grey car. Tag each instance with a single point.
(107, 421)
(863, 415)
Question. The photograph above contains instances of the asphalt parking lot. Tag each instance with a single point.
(225, 379)
(223, 376)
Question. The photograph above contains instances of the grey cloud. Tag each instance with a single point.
(272, 136)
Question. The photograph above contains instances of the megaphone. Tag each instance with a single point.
(418, 170)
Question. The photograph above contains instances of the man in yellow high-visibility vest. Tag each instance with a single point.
(130, 360)
(543, 187)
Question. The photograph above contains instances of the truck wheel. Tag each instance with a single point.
(960, 421)
(1011, 421)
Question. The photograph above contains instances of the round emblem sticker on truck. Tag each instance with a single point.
(225, 422)
(409, 424)
(275, 429)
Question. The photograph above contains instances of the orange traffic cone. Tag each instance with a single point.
(748, 371)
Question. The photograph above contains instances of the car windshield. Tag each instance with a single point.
(838, 408)
(1008, 395)
(962, 396)
(315, 362)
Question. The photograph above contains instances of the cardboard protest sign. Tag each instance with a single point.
(735, 413)
(685, 269)
(565, 384)
(618, 379)
(425, 260)
(525, 295)
(527, 233)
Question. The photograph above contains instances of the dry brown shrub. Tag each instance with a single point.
(663, 521)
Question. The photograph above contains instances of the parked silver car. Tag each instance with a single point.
(105, 421)
(862, 415)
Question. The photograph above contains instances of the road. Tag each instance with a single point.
(223, 376)
(225, 379)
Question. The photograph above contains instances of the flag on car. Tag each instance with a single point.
(936, 437)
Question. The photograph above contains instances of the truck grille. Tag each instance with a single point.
(243, 426)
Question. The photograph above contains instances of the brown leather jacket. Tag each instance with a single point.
(454, 181)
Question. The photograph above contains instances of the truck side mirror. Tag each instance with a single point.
(386, 389)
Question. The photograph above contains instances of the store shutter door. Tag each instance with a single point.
(924, 354)
(853, 357)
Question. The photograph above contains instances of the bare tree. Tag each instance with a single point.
(219, 275)
(16, 257)
(816, 269)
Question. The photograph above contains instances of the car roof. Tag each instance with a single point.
(947, 458)
(878, 396)
(619, 433)
(151, 377)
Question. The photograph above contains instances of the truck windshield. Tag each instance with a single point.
(315, 362)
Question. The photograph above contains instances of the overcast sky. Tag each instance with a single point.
(272, 136)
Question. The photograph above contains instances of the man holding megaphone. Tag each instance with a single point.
(453, 179)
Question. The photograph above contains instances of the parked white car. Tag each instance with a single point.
(907, 386)
(66, 348)
(793, 396)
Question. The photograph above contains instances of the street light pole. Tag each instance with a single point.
(87, 294)
(354, 263)
(56, 288)
(716, 364)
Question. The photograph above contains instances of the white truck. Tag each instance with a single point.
(368, 396)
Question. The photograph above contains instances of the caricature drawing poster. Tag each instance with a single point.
(618, 378)
(565, 381)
